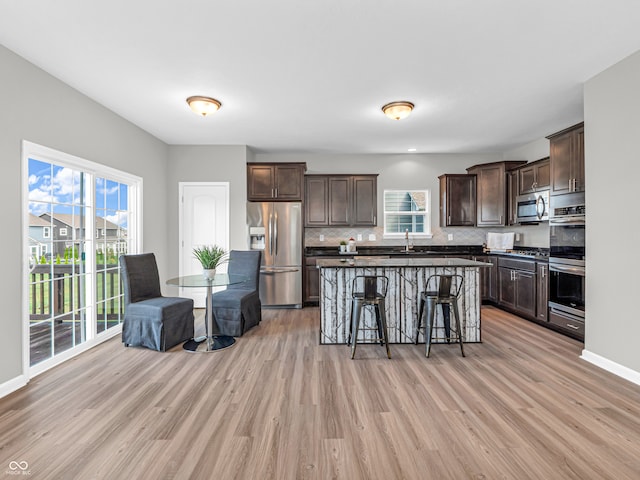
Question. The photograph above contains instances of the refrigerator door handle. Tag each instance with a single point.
(272, 271)
(275, 233)
(270, 234)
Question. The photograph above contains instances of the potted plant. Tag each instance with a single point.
(343, 246)
(210, 256)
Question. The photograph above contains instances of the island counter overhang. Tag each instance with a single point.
(407, 279)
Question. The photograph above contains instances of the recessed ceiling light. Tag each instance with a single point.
(412, 149)
(203, 105)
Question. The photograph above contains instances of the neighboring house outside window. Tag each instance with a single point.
(46, 232)
(63, 232)
(407, 211)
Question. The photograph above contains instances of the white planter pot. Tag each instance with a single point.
(209, 273)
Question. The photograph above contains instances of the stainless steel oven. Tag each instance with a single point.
(567, 262)
(566, 288)
(567, 229)
(566, 298)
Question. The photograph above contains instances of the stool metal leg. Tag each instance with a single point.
(351, 320)
(446, 317)
(383, 321)
(456, 314)
(376, 309)
(428, 329)
(420, 313)
(355, 324)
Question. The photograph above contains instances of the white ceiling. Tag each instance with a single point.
(311, 75)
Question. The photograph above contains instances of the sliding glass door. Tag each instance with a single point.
(79, 217)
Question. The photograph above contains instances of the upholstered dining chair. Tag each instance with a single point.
(151, 320)
(238, 308)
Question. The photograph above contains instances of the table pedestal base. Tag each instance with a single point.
(218, 342)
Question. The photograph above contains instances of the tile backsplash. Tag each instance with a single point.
(529, 235)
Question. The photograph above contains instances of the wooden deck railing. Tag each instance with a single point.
(57, 291)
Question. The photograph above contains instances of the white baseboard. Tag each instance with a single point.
(12, 385)
(610, 366)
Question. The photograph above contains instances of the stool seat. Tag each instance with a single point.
(443, 290)
(369, 291)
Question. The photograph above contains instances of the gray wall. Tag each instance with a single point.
(530, 152)
(39, 108)
(612, 124)
(208, 164)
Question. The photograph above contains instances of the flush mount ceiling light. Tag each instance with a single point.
(397, 110)
(203, 105)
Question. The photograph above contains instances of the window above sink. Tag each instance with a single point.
(407, 212)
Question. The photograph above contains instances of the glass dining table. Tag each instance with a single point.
(208, 342)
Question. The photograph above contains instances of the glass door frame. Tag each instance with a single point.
(92, 171)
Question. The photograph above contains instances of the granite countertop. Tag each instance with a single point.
(398, 262)
(425, 251)
(398, 250)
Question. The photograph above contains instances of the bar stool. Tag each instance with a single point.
(441, 290)
(369, 291)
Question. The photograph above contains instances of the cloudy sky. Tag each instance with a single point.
(58, 189)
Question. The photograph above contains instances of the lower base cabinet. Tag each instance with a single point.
(517, 286)
(542, 294)
(488, 278)
(311, 290)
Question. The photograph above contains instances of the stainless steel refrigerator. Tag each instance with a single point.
(276, 229)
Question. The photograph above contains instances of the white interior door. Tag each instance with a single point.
(204, 220)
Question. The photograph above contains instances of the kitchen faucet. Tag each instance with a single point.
(406, 240)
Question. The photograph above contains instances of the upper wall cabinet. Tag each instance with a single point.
(340, 200)
(512, 195)
(457, 200)
(491, 192)
(275, 182)
(567, 160)
(534, 176)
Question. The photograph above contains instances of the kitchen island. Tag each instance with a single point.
(407, 279)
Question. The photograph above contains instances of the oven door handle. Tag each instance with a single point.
(567, 220)
(566, 269)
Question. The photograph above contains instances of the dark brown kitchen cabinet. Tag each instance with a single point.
(512, 196)
(567, 160)
(491, 192)
(534, 176)
(275, 182)
(542, 293)
(365, 200)
(316, 204)
(457, 200)
(517, 286)
(311, 290)
(340, 200)
(488, 278)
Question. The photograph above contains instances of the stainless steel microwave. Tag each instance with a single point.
(532, 207)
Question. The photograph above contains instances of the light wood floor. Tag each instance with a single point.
(277, 405)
